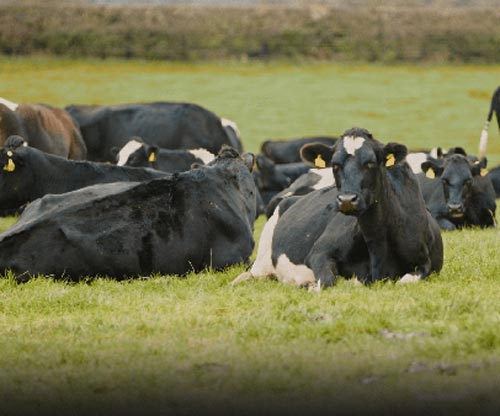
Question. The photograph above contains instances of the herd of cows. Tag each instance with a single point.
(166, 188)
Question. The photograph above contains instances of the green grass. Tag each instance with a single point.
(171, 345)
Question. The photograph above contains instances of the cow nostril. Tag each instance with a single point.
(347, 198)
(454, 207)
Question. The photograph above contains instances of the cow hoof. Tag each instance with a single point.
(243, 277)
(314, 287)
(409, 278)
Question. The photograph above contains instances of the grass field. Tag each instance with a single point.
(197, 345)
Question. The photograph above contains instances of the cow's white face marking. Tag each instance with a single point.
(410, 278)
(351, 144)
(203, 154)
(415, 161)
(326, 178)
(9, 104)
(228, 123)
(294, 274)
(127, 150)
(263, 264)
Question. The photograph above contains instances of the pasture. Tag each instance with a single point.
(182, 345)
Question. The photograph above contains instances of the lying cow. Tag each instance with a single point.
(47, 128)
(28, 173)
(272, 178)
(136, 153)
(181, 223)
(373, 226)
(459, 193)
(165, 124)
(288, 151)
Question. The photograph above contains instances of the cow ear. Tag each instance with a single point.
(318, 154)
(479, 167)
(249, 160)
(431, 169)
(394, 153)
(9, 165)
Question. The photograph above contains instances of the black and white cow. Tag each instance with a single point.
(288, 151)
(27, 173)
(494, 108)
(372, 225)
(271, 178)
(47, 128)
(459, 193)
(136, 153)
(184, 222)
(168, 125)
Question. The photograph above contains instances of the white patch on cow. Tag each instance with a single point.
(127, 150)
(351, 144)
(434, 153)
(263, 264)
(203, 154)
(415, 161)
(9, 104)
(228, 123)
(294, 274)
(410, 278)
(326, 178)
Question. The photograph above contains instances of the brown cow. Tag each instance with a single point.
(44, 127)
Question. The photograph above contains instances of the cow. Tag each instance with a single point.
(494, 175)
(288, 151)
(416, 158)
(459, 193)
(372, 225)
(168, 125)
(494, 108)
(271, 178)
(185, 222)
(136, 153)
(47, 128)
(27, 174)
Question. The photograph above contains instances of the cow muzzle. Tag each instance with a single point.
(348, 203)
(456, 210)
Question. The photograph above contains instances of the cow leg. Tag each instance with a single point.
(446, 225)
(247, 276)
(324, 269)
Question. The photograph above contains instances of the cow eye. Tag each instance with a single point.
(335, 167)
(370, 165)
(445, 181)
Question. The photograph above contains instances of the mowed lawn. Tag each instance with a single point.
(173, 345)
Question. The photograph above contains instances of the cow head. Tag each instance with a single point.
(136, 153)
(456, 175)
(358, 162)
(15, 178)
(267, 177)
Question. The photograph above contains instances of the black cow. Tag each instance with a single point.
(47, 128)
(288, 151)
(28, 173)
(494, 108)
(184, 222)
(136, 153)
(271, 178)
(494, 175)
(373, 226)
(165, 124)
(459, 193)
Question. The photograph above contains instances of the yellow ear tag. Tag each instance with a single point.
(9, 153)
(390, 160)
(483, 172)
(430, 173)
(319, 162)
(10, 166)
(152, 157)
